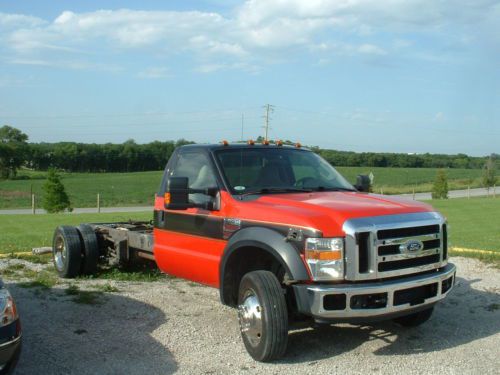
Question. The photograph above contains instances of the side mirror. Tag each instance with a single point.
(177, 195)
(363, 183)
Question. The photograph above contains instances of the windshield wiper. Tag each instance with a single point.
(271, 190)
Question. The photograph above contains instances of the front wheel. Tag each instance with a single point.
(415, 319)
(263, 315)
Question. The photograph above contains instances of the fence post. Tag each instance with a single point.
(413, 193)
(33, 204)
(494, 191)
(98, 203)
(468, 192)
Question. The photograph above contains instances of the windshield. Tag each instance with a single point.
(267, 170)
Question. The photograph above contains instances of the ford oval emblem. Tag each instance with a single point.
(411, 246)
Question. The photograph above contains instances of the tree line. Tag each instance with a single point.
(15, 151)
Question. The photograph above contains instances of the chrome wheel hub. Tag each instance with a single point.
(250, 317)
(60, 253)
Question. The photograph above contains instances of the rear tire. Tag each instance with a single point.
(67, 251)
(415, 319)
(263, 316)
(90, 249)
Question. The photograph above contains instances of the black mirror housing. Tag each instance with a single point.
(177, 194)
(363, 183)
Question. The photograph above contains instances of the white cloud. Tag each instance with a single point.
(259, 31)
(8, 21)
(155, 73)
(66, 64)
(370, 49)
(439, 117)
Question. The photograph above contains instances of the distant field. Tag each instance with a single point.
(130, 189)
(116, 189)
(405, 180)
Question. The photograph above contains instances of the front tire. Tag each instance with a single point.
(67, 251)
(263, 316)
(415, 319)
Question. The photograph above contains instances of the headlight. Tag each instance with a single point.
(325, 258)
(8, 310)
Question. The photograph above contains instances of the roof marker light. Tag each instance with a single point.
(279, 143)
(298, 145)
(251, 142)
(225, 143)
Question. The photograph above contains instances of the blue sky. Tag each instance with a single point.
(363, 75)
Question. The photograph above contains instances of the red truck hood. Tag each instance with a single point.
(326, 211)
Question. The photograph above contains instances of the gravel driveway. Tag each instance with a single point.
(175, 326)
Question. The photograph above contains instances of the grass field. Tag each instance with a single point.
(132, 189)
(473, 223)
(23, 232)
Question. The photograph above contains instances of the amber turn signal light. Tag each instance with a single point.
(323, 255)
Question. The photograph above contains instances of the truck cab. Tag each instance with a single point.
(283, 235)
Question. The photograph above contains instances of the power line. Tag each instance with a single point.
(131, 114)
(142, 124)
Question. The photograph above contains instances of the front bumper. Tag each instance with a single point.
(10, 346)
(369, 301)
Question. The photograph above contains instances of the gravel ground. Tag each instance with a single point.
(175, 326)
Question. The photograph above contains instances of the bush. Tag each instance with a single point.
(55, 198)
(440, 188)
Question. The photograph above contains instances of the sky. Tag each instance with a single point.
(410, 76)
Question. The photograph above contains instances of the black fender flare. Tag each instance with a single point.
(270, 241)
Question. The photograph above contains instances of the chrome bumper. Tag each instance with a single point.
(375, 300)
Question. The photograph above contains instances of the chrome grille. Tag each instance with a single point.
(394, 245)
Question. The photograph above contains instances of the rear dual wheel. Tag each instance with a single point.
(75, 251)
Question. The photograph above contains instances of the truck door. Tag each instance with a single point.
(188, 243)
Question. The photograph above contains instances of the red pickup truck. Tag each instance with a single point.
(283, 236)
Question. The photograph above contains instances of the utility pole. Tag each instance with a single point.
(269, 109)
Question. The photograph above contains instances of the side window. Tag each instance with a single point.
(197, 168)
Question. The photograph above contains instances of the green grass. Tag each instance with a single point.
(138, 188)
(44, 280)
(473, 223)
(23, 232)
(142, 274)
(85, 297)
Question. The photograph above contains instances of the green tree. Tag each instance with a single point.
(55, 198)
(13, 149)
(440, 188)
(489, 173)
